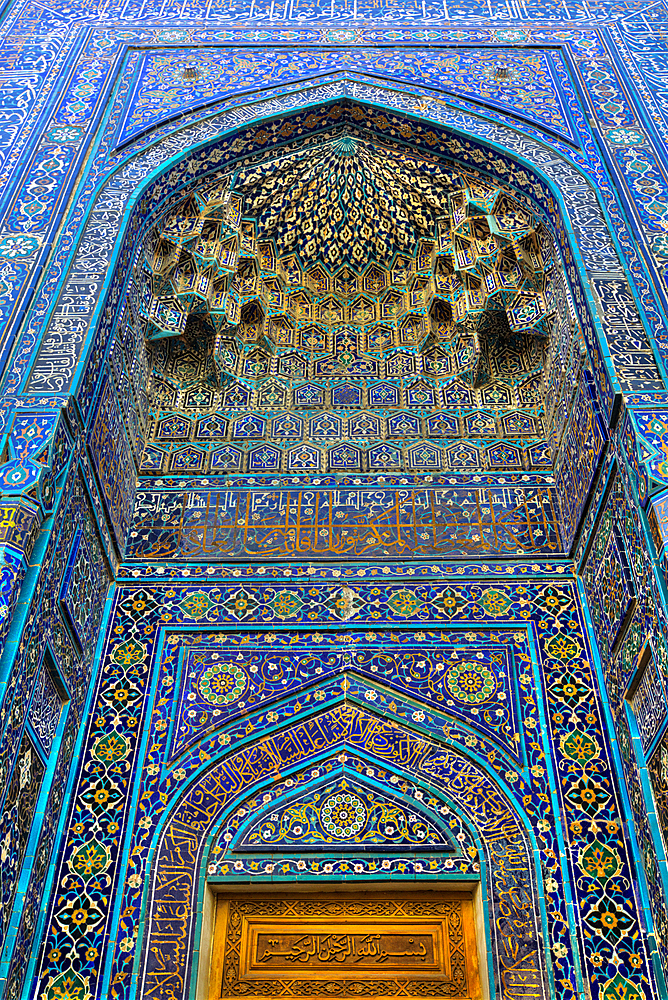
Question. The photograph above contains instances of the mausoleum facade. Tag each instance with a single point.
(334, 475)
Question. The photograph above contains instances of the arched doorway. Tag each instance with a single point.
(432, 835)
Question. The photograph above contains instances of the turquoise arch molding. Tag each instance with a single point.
(587, 161)
(446, 794)
(471, 879)
(330, 769)
(149, 173)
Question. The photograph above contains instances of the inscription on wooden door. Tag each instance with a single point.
(340, 947)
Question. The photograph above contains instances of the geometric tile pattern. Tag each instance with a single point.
(464, 297)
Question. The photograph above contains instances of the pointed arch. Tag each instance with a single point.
(147, 182)
(268, 768)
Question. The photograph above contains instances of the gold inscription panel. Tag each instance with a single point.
(308, 947)
(338, 948)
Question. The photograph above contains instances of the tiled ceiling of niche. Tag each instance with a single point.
(349, 307)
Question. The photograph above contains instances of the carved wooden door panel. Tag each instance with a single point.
(337, 946)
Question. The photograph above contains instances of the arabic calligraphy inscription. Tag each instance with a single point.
(337, 948)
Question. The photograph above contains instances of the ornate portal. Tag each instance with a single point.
(306, 947)
(334, 500)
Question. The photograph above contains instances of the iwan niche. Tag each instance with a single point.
(352, 307)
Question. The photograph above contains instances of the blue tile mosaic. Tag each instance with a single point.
(336, 342)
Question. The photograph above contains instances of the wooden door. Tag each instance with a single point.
(344, 946)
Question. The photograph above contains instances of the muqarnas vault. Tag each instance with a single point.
(334, 501)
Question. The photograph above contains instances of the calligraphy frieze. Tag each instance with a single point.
(344, 523)
(335, 947)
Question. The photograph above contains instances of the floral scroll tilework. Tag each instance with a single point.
(30, 698)
(658, 773)
(229, 675)
(22, 951)
(657, 515)
(12, 574)
(46, 706)
(15, 822)
(609, 582)
(647, 630)
(649, 703)
(81, 594)
(327, 816)
(630, 439)
(397, 804)
(651, 433)
(31, 434)
(113, 461)
(342, 712)
(649, 850)
(585, 438)
(649, 618)
(159, 92)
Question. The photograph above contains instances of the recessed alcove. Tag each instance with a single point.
(421, 364)
(352, 307)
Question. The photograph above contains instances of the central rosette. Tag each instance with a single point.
(343, 815)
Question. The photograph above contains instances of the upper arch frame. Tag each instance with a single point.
(125, 202)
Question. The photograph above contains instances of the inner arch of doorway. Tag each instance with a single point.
(518, 841)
